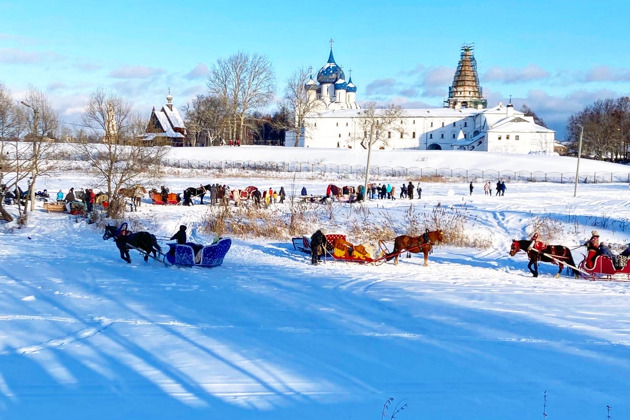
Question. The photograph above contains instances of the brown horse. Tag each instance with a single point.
(423, 243)
(555, 254)
(135, 193)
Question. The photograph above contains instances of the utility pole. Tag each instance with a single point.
(544, 416)
(577, 171)
(608, 410)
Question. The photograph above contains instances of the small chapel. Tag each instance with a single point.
(166, 126)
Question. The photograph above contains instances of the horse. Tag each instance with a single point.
(257, 197)
(198, 191)
(100, 198)
(335, 191)
(555, 254)
(135, 193)
(142, 241)
(423, 243)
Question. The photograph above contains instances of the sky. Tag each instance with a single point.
(556, 57)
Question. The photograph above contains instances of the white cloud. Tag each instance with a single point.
(19, 56)
(201, 71)
(514, 75)
(135, 72)
(607, 74)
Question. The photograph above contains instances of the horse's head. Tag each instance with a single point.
(439, 235)
(516, 246)
(110, 232)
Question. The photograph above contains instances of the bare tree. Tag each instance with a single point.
(10, 126)
(296, 101)
(207, 119)
(376, 125)
(530, 113)
(242, 82)
(606, 128)
(121, 159)
(42, 124)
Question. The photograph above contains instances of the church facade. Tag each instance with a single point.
(464, 123)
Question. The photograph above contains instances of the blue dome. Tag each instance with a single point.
(341, 84)
(351, 86)
(331, 72)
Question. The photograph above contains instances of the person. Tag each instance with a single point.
(60, 196)
(472, 187)
(164, 194)
(592, 247)
(605, 251)
(226, 195)
(70, 196)
(90, 197)
(486, 188)
(304, 191)
(180, 236)
(282, 195)
(419, 189)
(502, 188)
(498, 193)
(403, 191)
(410, 189)
(318, 245)
(187, 198)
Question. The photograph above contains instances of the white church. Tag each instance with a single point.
(464, 123)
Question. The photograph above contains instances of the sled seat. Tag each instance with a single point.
(184, 255)
(212, 255)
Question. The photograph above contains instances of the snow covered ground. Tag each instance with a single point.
(268, 336)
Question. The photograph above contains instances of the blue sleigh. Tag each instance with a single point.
(195, 255)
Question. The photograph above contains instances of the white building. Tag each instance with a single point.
(335, 121)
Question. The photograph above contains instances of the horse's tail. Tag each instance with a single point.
(155, 244)
(391, 256)
(570, 260)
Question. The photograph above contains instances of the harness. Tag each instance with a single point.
(122, 231)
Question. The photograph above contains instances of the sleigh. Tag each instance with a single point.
(156, 198)
(195, 255)
(59, 207)
(342, 252)
(603, 268)
(245, 193)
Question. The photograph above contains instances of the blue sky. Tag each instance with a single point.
(555, 56)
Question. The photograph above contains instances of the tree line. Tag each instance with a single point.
(604, 127)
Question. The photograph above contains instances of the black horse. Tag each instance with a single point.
(144, 242)
(197, 191)
(555, 254)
